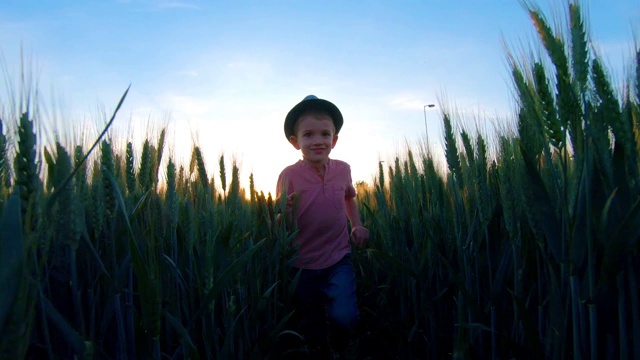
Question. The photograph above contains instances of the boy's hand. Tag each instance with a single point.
(359, 235)
(291, 200)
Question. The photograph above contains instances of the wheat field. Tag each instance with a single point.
(527, 246)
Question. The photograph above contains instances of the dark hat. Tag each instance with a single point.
(312, 102)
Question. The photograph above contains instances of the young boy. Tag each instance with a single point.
(320, 198)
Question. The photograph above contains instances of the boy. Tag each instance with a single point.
(322, 191)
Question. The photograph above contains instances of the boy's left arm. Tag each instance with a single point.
(359, 233)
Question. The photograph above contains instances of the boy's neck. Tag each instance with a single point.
(320, 168)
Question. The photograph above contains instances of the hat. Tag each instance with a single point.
(312, 102)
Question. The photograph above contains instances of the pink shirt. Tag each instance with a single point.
(323, 236)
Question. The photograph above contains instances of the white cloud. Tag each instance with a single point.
(187, 105)
(176, 5)
(408, 102)
(256, 72)
(188, 73)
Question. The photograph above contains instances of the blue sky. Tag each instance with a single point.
(225, 73)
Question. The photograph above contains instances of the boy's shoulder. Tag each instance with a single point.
(292, 171)
(290, 168)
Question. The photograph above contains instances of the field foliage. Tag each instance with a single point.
(531, 252)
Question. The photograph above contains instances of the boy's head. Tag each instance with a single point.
(312, 105)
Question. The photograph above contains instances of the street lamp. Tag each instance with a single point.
(424, 108)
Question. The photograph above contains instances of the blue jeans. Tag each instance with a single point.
(327, 294)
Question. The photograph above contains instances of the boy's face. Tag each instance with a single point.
(315, 137)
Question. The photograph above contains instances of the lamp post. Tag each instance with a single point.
(424, 108)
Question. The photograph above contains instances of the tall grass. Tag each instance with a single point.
(528, 253)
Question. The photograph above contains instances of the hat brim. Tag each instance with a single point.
(315, 104)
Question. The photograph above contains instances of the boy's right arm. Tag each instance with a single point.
(287, 216)
(284, 188)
